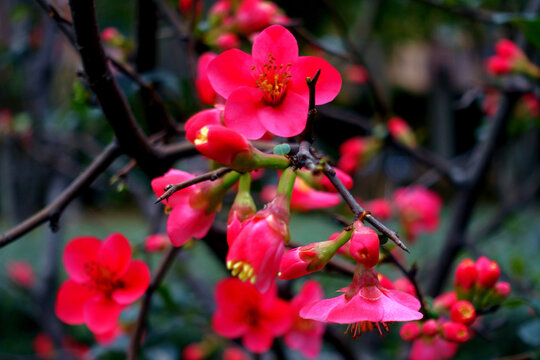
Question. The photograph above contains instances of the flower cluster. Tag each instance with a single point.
(103, 281)
(258, 318)
(510, 58)
(476, 289)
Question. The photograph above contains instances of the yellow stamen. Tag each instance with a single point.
(202, 136)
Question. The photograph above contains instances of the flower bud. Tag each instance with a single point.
(401, 131)
(465, 274)
(410, 331)
(508, 49)
(156, 243)
(206, 92)
(299, 262)
(365, 245)
(444, 302)
(497, 65)
(227, 41)
(501, 290)
(430, 327)
(463, 312)
(487, 271)
(454, 331)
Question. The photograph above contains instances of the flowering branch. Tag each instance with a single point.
(211, 175)
(140, 325)
(53, 211)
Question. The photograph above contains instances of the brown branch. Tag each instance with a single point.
(140, 325)
(211, 175)
(53, 211)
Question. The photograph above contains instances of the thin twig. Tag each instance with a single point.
(53, 211)
(140, 325)
(211, 175)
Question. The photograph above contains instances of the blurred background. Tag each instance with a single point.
(421, 60)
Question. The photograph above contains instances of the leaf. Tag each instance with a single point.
(282, 149)
(529, 333)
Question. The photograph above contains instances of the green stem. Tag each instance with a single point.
(286, 183)
(244, 185)
(216, 192)
(271, 161)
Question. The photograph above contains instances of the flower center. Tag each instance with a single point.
(100, 279)
(356, 329)
(273, 80)
(243, 270)
(202, 136)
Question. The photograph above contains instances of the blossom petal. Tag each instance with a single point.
(70, 302)
(135, 282)
(101, 314)
(288, 118)
(277, 41)
(172, 176)
(229, 71)
(242, 112)
(257, 340)
(115, 254)
(227, 326)
(199, 120)
(327, 86)
(185, 222)
(79, 252)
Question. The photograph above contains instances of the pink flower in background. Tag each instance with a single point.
(304, 197)
(305, 335)
(357, 74)
(44, 348)
(379, 208)
(355, 152)
(188, 208)
(419, 210)
(193, 352)
(241, 311)
(103, 280)
(400, 130)
(506, 58)
(227, 41)
(21, 273)
(202, 84)
(156, 242)
(405, 285)
(234, 353)
(365, 305)
(107, 338)
(267, 91)
(432, 348)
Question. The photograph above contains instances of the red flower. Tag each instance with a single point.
(304, 197)
(156, 242)
(432, 348)
(501, 290)
(487, 271)
(241, 311)
(364, 305)
(188, 208)
(463, 312)
(355, 152)
(234, 353)
(305, 335)
(255, 253)
(109, 337)
(497, 65)
(202, 84)
(444, 302)
(466, 274)
(380, 208)
(364, 246)
(193, 351)
(454, 331)
(410, 331)
(267, 91)
(401, 131)
(21, 273)
(227, 41)
(103, 280)
(255, 15)
(419, 209)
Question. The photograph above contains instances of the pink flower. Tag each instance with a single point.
(109, 34)
(355, 152)
(305, 335)
(497, 65)
(364, 245)
(463, 312)
(410, 331)
(357, 74)
(255, 15)
(234, 353)
(193, 352)
(444, 302)
(44, 347)
(21, 273)
(109, 337)
(419, 210)
(156, 243)
(304, 197)
(466, 274)
(267, 91)
(380, 208)
(227, 41)
(241, 311)
(255, 253)
(405, 285)
(188, 215)
(432, 348)
(202, 84)
(487, 271)
(364, 305)
(103, 280)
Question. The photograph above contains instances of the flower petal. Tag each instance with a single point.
(327, 86)
(115, 254)
(257, 340)
(242, 112)
(79, 252)
(186, 222)
(70, 302)
(229, 71)
(135, 282)
(101, 314)
(288, 118)
(277, 41)
(200, 120)
(172, 176)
